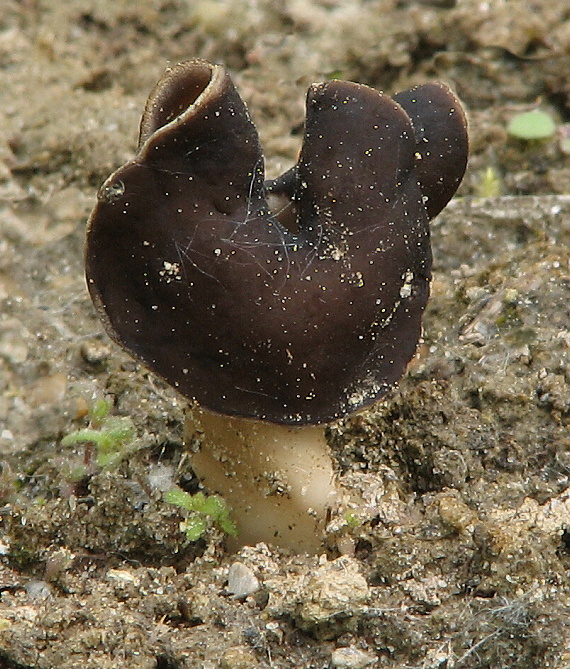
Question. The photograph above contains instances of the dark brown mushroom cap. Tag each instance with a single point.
(196, 277)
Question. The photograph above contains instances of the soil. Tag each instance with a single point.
(460, 555)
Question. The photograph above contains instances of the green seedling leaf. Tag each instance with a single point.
(211, 509)
(489, 183)
(108, 459)
(99, 411)
(228, 526)
(194, 527)
(532, 125)
(179, 498)
(111, 438)
(81, 436)
(352, 519)
(214, 506)
(114, 432)
(217, 509)
(118, 430)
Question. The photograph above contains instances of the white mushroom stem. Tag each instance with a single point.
(278, 481)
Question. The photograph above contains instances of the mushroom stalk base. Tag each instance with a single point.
(277, 480)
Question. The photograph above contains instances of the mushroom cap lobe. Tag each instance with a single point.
(300, 324)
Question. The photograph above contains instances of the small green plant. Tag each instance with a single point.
(489, 183)
(202, 512)
(532, 125)
(111, 435)
(352, 519)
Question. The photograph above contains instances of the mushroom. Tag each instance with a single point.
(274, 307)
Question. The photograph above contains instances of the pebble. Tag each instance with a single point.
(241, 581)
(38, 590)
(351, 658)
(95, 352)
(336, 590)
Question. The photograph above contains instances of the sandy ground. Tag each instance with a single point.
(460, 555)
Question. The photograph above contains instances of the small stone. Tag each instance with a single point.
(241, 581)
(38, 590)
(95, 352)
(333, 599)
(454, 512)
(122, 576)
(351, 658)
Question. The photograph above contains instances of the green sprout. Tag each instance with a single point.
(489, 183)
(352, 519)
(532, 125)
(203, 511)
(112, 435)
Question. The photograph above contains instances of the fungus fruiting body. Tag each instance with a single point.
(274, 306)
